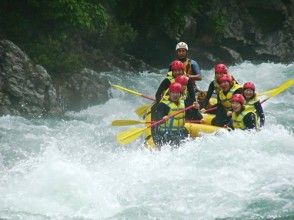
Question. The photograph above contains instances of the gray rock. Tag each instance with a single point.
(25, 89)
(83, 89)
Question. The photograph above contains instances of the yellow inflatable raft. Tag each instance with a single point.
(195, 130)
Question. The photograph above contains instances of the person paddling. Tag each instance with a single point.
(219, 70)
(253, 102)
(173, 131)
(228, 88)
(178, 70)
(243, 117)
(191, 67)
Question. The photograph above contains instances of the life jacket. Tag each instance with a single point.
(188, 68)
(177, 121)
(226, 99)
(250, 104)
(238, 119)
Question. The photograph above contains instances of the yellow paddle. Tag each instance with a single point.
(142, 110)
(126, 122)
(276, 91)
(132, 134)
(132, 92)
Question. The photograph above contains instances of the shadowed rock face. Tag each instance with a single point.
(258, 31)
(27, 89)
(253, 30)
(83, 89)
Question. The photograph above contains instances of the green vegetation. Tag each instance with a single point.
(65, 35)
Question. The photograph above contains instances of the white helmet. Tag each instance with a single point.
(182, 45)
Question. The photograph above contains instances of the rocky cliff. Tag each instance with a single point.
(229, 31)
(28, 90)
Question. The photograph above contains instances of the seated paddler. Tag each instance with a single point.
(243, 116)
(173, 130)
(177, 69)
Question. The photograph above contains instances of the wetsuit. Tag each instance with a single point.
(210, 91)
(170, 132)
(256, 106)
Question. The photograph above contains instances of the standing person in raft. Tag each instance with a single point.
(251, 101)
(243, 117)
(191, 67)
(178, 70)
(173, 130)
(224, 104)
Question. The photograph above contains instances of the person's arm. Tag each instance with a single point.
(190, 93)
(250, 121)
(196, 71)
(159, 111)
(162, 87)
(259, 112)
(209, 94)
(230, 124)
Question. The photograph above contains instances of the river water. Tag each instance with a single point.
(74, 169)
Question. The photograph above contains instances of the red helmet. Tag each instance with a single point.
(175, 87)
(225, 78)
(221, 68)
(177, 65)
(249, 85)
(183, 80)
(238, 98)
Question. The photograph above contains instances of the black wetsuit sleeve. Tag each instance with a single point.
(209, 94)
(191, 93)
(162, 87)
(230, 124)
(250, 121)
(259, 112)
(159, 111)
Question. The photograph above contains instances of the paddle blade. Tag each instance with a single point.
(278, 90)
(130, 135)
(126, 122)
(141, 111)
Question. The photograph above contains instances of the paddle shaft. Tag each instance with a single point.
(170, 116)
(132, 92)
(148, 97)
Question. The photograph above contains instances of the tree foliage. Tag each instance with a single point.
(59, 33)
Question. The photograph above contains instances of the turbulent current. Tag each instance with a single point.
(74, 169)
